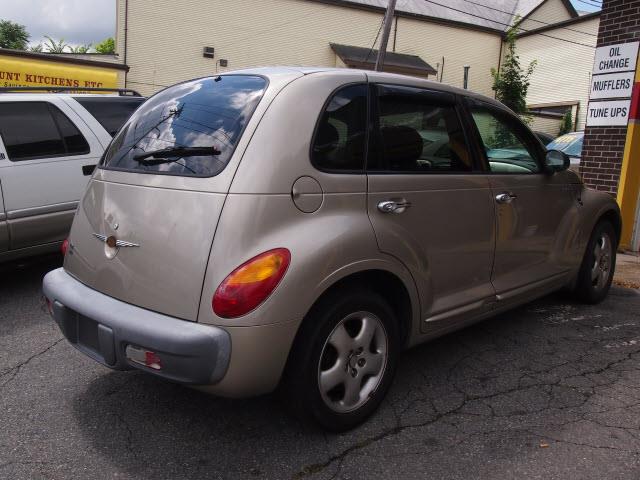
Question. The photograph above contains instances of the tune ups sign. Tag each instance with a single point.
(614, 70)
(26, 71)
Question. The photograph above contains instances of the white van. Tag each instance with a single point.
(49, 146)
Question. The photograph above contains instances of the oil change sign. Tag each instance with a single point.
(613, 76)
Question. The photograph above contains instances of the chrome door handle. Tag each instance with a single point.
(393, 206)
(505, 197)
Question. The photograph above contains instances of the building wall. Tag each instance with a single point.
(281, 32)
(458, 46)
(545, 124)
(563, 69)
(551, 11)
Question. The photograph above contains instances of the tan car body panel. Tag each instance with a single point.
(182, 258)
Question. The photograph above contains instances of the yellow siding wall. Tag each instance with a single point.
(165, 43)
(458, 46)
(563, 71)
(551, 11)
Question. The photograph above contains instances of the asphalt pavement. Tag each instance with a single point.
(550, 391)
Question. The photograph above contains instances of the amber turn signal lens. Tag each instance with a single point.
(251, 283)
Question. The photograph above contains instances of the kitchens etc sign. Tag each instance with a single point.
(614, 71)
(27, 72)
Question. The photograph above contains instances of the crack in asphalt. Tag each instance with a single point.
(549, 387)
(12, 372)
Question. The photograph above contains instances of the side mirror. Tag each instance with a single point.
(556, 161)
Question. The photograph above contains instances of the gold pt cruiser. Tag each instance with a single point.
(297, 228)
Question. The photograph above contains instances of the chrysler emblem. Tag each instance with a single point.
(113, 242)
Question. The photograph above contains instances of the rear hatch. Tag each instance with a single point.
(144, 228)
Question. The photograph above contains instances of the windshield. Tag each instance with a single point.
(570, 143)
(208, 114)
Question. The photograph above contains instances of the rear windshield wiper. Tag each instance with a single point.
(166, 155)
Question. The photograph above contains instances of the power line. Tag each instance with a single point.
(507, 24)
(374, 41)
(530, 19)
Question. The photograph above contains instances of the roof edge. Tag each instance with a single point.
(564, 23)
(442, 21)
(55, 58)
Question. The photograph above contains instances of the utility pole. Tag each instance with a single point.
(388, 19)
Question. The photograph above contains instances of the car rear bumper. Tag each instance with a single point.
(102, 327)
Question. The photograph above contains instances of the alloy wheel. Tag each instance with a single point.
(353, 361)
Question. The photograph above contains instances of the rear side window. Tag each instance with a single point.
(418, 132)
(111, 112)
(190, 129)
(33, 130)
(339, 142)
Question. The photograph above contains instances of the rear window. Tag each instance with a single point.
(190, 129)
(109, 111)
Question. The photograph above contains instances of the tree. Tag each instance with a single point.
(566, 125)
(54, 46)
(511, 83)
(107, 46)
(81, 49)
(13, 35)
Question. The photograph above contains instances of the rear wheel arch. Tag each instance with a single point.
(382, 282)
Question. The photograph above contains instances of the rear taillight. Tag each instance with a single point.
(251, 283)
(64, 247)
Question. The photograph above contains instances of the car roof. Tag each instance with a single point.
(393, 77)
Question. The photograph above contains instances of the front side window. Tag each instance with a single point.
(505, 143)
(190, 129)
(339, 142)
(418, 132)
(32, 130)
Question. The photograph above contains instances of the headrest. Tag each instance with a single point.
(327, 138)
(402, 146)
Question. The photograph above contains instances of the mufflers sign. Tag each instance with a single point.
(613, 77)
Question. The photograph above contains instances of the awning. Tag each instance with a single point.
(361, 57)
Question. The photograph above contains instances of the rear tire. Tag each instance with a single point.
(343, 360)
(598, 265)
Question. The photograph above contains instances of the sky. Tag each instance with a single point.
(79, 22)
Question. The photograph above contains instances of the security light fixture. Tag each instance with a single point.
(223, 62)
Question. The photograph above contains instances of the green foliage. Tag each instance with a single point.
(13, 35)
(81, 49)
(511, 83)
(54, 46)
(567, 123)
(36, 48)
(107, 46)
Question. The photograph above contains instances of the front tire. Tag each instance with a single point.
(343, 360)
(598, 266)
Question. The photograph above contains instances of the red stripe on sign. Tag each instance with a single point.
(634, 114)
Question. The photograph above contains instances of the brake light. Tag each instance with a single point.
(251, 283)
(64, 247)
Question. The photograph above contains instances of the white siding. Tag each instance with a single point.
(458, 46)
(551, 11)
(165, 42)
(545, 124)
(563, 71)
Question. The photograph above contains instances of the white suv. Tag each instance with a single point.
(49, 146)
